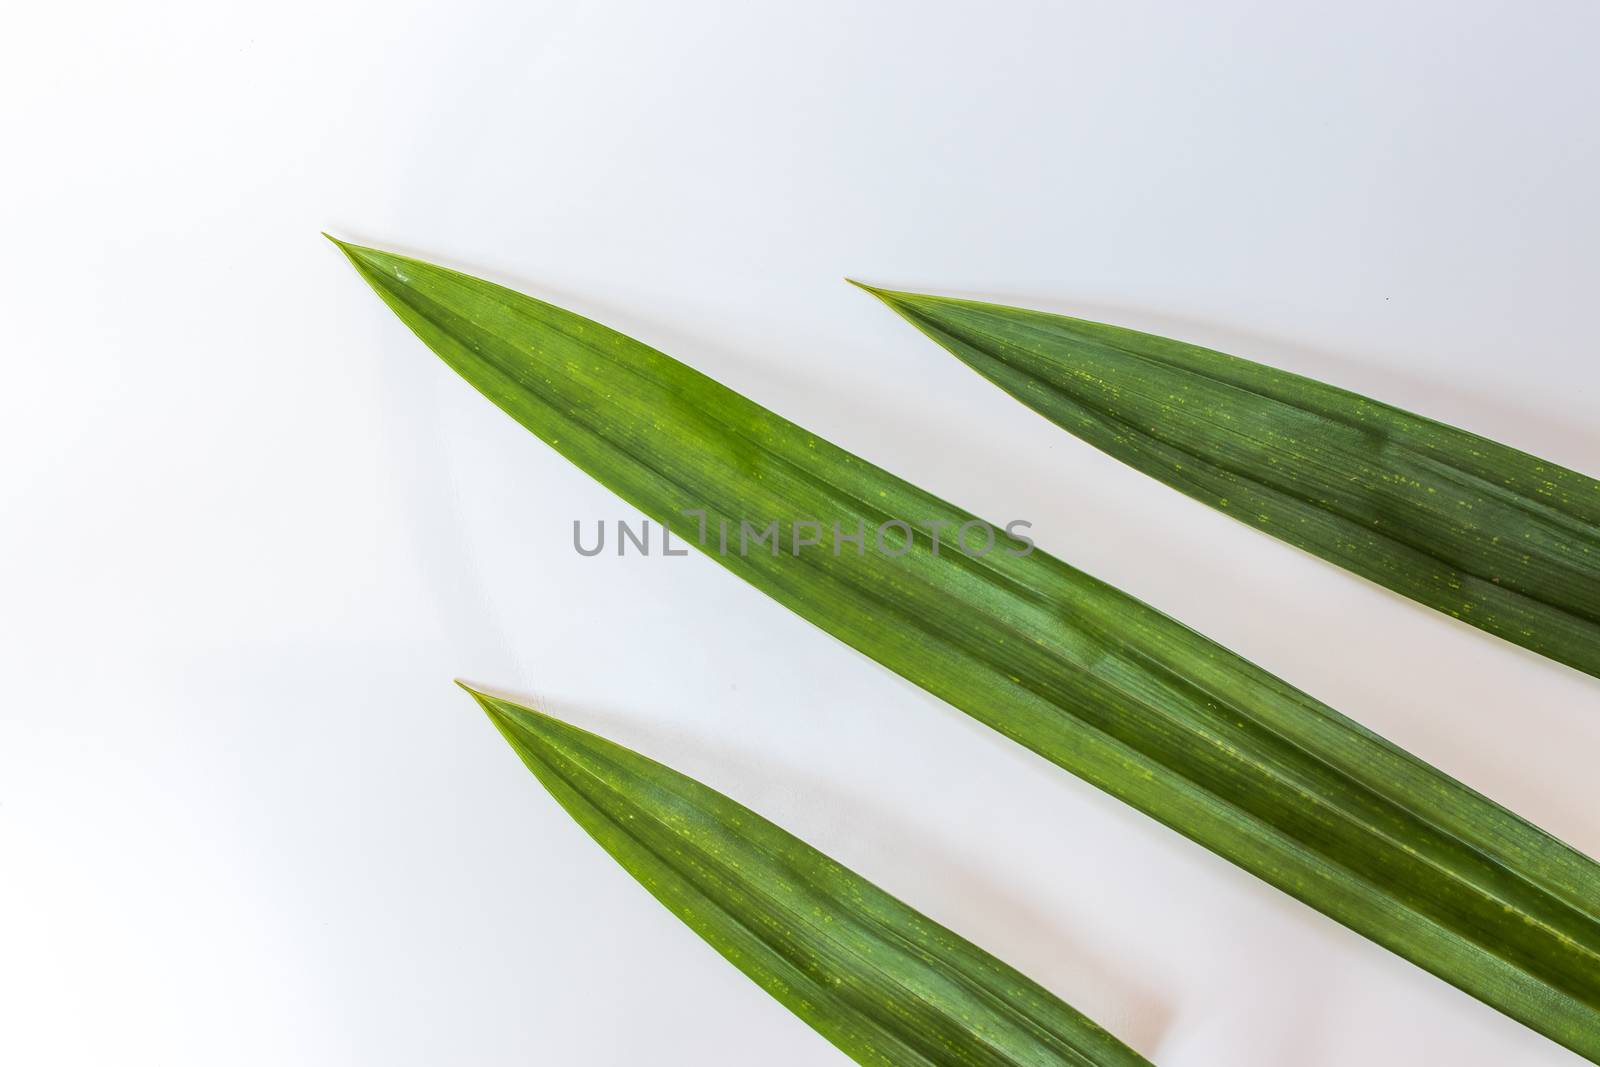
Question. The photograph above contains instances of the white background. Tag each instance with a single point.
(252, 528)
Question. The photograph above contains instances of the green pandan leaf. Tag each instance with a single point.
(886, 984)
(1497, 538)
(1086, 676)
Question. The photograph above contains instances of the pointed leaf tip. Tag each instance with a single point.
(493, 706)
(532, 727)
(359, 257)
(364, 257)
(346, 247)
(886, 295)
(487, 707)
(898, 301)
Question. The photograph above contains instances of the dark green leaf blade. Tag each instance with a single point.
(1088, 677)
(883, 982)
(1499, 539)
